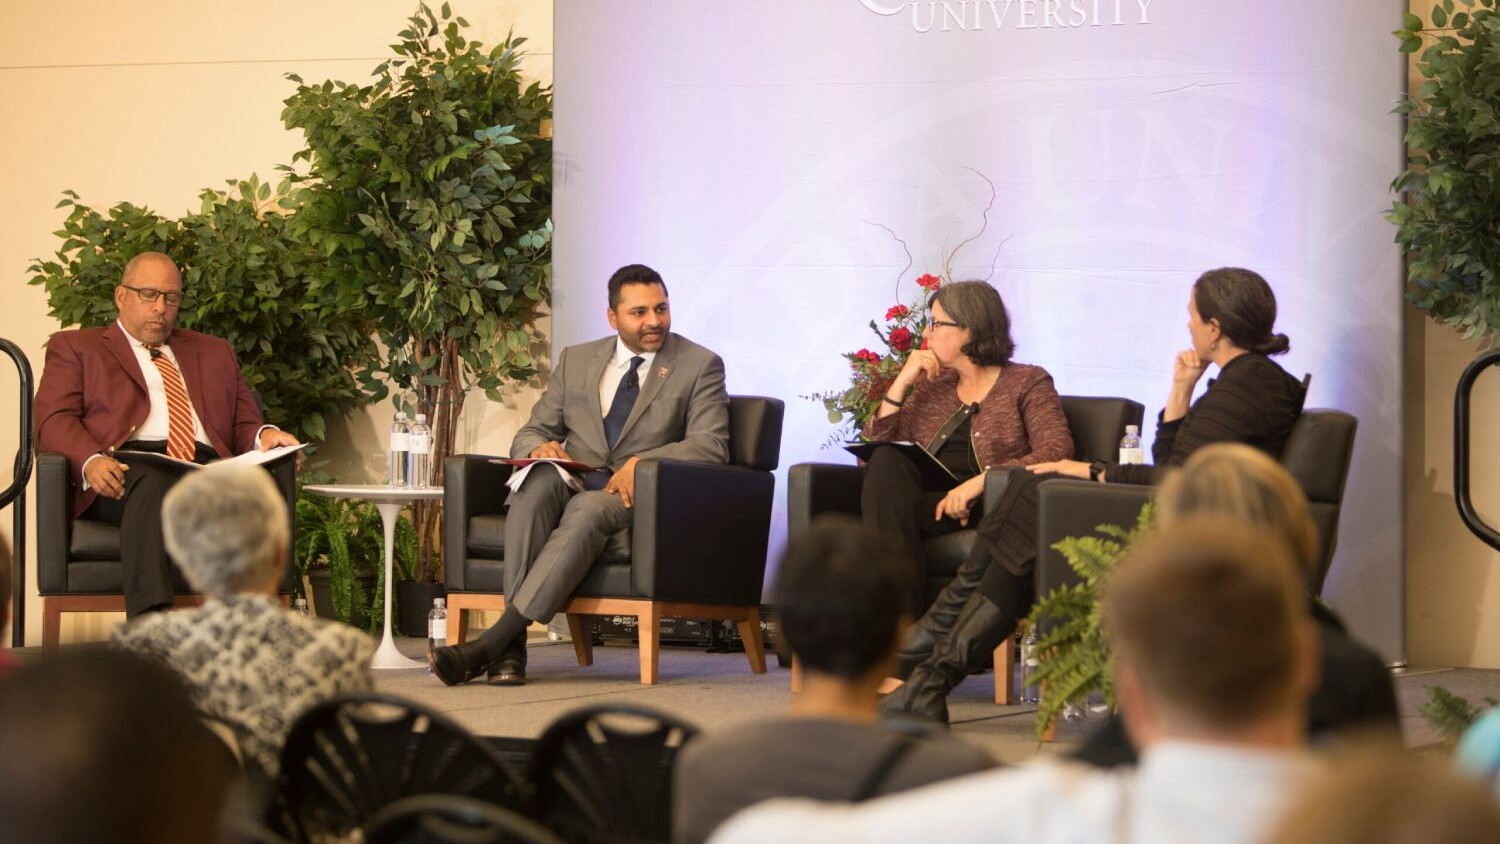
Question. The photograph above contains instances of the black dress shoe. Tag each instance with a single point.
(510, 668)
(459, 663)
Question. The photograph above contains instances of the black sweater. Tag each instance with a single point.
(1253, 401)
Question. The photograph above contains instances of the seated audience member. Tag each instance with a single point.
(250, 663)
(1213, 661)
(1389, 796)
(839, 598)
(1478, 752)
(1232, 324)
(8, 661)
(103, 746)
(1239, 482)
(961, 397)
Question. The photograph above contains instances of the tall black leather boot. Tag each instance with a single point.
(939, 619)
(980, 627)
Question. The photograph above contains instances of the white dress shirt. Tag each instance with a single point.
(1182, 793)
(618, 365)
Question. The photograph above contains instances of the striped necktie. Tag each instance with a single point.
(181, 443)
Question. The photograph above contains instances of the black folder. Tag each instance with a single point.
(932, 469)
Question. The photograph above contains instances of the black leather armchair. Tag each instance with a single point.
(1317, 454)
(78, 560)
(817, 488)
(696, 548)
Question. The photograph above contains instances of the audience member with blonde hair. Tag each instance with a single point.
(1236, 481)
(251, 663)
(1213, 661)
(1387, 795)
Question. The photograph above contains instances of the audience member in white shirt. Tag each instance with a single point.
(1213, 660)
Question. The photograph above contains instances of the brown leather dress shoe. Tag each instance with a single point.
(459, 663)
(510, 668)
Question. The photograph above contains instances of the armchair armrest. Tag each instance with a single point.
(54, 522)
(1074, 508)
(472, 486)
(700, 531)
(817, 488)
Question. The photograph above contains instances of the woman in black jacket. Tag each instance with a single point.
(1231, 320)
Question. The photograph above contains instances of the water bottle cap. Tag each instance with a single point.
(1132, 429)
(422, 417)
(439, 602)
(400, 416)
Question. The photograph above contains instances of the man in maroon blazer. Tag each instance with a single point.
(143, 384)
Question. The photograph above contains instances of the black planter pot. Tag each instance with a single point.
(322, 597)
(413, 602)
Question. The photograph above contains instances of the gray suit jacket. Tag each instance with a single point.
(681, 413)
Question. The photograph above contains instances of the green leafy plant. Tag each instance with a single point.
(247, 279)
(1073, 657)
(429, 190)
(1451, 715)
(348, 537)
(1448, 214)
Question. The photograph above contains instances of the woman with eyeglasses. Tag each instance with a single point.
(1231, 321)
(962, 399)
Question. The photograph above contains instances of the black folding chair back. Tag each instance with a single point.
(452, 819)
(347, 758)
(604, 774)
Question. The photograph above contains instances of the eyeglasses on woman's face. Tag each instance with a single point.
(942, 323)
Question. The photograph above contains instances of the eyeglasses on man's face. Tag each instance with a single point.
(150, 294)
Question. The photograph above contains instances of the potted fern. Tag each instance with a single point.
(1073, 656)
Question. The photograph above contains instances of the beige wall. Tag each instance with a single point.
(126, 108)
(119, 104)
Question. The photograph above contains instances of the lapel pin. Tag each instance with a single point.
(661, 372)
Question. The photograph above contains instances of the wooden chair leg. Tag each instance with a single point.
(796, 675)
(649, 625)
(755, 646)
(51, 625)
(1005, 672)
(583, 639)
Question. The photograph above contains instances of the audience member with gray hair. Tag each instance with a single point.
(250, 663)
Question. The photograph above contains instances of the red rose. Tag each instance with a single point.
(866, 356)
(898, 312)
(901, 339)
(929, 282)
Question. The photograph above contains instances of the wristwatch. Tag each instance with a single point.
(1096, 468)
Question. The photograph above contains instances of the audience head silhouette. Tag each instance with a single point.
(840, 598)
(226, 526)
(101, 745)
(1210, 636)
(1241, 482)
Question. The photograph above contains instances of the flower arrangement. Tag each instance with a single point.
(871, 373)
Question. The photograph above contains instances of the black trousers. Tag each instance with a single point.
(146, 568)
(897, 498)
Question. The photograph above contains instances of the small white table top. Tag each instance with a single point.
(375, 492)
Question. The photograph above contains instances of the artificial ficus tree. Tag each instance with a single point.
(430, 190)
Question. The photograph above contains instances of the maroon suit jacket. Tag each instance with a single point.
(93, 397)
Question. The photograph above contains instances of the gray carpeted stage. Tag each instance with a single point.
(717, 691)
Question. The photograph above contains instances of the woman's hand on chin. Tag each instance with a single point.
(1071, 468)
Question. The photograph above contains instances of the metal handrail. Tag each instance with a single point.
(1461, 451)
(15, 495)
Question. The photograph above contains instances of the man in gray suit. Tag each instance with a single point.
(643, 393)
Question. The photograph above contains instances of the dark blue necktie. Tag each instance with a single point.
(625, 395)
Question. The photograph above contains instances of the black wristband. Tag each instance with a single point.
(1096, 468)
(887, 398)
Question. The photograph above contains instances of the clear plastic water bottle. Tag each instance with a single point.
(1030, 661)
(1130, 447)
(420, 441)
(400, 447)
(300, 607)
(437, 628)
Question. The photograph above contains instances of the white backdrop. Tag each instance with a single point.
(743, 147)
